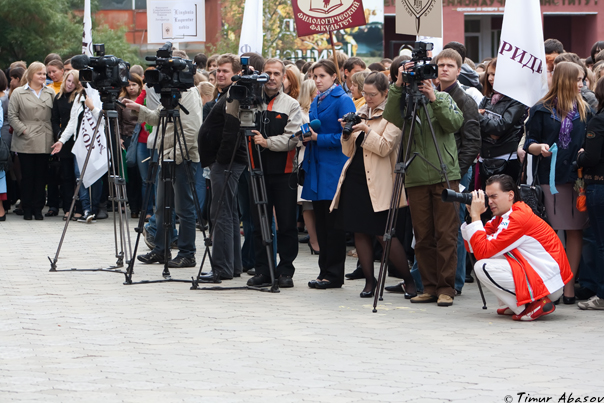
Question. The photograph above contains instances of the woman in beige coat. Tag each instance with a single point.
(29, 113)
(365, 187)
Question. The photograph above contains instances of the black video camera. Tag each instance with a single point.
(350, 119)
(422, 70)
(248, 85)
(171, 76)
(107, 74)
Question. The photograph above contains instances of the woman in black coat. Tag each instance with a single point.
(60, 117)
(501, 130)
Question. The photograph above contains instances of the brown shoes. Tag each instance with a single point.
(424, 298)
(444, 300)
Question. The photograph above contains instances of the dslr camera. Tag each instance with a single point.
(171, 76)
(422, 70)
(350, 119)
(105, 73)
(451, 196)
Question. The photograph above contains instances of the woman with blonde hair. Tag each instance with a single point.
(556, 130)
(55, 70)
(61, 112)
(29, 113)
(308, 92)
(358, 79)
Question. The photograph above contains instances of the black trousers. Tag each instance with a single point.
(68, 181)
(33, 182)
(332, 244)
(282, 195)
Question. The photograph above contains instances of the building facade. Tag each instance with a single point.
(477, 24)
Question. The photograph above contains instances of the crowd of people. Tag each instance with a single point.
(337, 185)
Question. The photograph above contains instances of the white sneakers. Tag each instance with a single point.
(592, 303)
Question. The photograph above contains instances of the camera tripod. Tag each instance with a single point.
(168, 169)
(117, 191)
(404, 160)
(247, 116)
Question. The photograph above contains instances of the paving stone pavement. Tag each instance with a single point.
(86, 337)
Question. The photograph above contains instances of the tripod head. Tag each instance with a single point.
(170, 99)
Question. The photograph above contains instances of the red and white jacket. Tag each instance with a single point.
(533, 250)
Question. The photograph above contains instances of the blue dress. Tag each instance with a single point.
(323, 159)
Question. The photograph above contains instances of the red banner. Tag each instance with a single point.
(317, 16)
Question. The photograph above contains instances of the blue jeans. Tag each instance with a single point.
(589, 263)
(200, 186)
(96, 190)
(460, 273)
(417, 277)
(595, 209)
(142, 153)
(183, 207)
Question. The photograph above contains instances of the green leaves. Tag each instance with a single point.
(31, 29)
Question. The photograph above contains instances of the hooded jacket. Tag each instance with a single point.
(446, 118)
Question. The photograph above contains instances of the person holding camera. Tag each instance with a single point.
(364, 191)
(323, 163)
(184, 205)
(520, 258)
(435, 222)
(280, 116)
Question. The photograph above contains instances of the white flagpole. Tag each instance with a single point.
(87, 35)
(251, 29)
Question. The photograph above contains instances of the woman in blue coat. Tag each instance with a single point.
(323, 163)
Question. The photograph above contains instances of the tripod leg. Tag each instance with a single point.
(261, 200)
(53, 262)
(168, 174)
(484, 301)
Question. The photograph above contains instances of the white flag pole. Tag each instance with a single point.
(521, 67)
(251, 29)
(87, 36)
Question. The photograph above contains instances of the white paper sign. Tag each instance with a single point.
(176, 21)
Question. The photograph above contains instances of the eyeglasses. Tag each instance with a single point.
(370, 94)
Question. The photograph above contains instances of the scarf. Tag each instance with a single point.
(496, 98)
(567, 125)
(324, 94)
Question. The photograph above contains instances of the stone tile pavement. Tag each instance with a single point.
(86, 337)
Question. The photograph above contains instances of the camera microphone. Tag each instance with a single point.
(304, 130)
(80, 62)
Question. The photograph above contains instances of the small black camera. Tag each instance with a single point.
(350, 119)
(105, 73)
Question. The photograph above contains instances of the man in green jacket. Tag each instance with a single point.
(435, 223)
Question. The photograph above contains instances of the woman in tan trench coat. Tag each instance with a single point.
(29, 113)
(365, 187)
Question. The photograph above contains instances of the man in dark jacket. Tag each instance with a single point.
(217, 151)
(468, 139)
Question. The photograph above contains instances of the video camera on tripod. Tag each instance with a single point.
(105, 73)
(247, 89)
(172, 75)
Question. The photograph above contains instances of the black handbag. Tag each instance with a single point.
(493, 166)
(5, 158)
(532, 194)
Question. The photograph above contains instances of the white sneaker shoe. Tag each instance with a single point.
(592, 303)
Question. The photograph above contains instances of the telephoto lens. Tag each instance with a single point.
(451, 196)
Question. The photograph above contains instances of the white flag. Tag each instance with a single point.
(521, 69)
(251, 29)
(87, 35)
(97, 164)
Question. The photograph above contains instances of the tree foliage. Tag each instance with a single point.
(276, 14)
(31, 29)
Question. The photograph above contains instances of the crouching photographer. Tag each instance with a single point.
(173, 80)
(520, 257)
